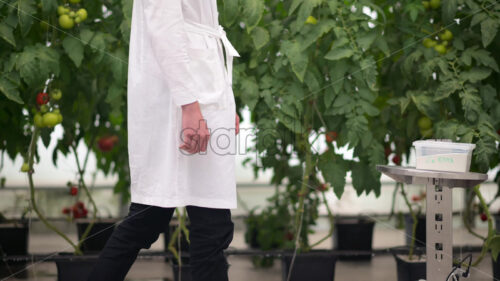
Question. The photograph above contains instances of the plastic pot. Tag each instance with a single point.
(99, 234)
(407, 270)
(314, 265)
(354, 235)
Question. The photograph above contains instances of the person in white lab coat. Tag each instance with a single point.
(182, 126)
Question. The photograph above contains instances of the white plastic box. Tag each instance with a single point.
(443, 155)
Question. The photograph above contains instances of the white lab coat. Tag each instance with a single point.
(176, 57)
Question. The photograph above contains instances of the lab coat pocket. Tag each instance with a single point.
(208, 75)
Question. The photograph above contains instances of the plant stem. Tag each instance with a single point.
(304, 189)
(31, 155)
(415, 223)
(81, 173)
(331, 219)
(491, 231)
(466, 219)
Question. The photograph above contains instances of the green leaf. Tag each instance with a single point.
(494, 245)
(489, 28)
(337, 73)
(323, 26)
(25, 12)
(118, 65)
(426, 105)
(125, 26)
(6, 34)
(334, 170)
(475, 74)
(249, 92)
(295, 4)
(449, 10)
(252, 13)
(74, 49)
(357, 129)
(86, 35)
(49, 6)
(362, 178)
(488, 95)
(36, 63)
(260, 37)
(366, 39)
(445, 89)
(231, 11)
(298, 59)
(471, 103)
(381, 44)
(368, 108)
(337, 54)
(10, 90)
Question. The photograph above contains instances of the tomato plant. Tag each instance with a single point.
(380, 73)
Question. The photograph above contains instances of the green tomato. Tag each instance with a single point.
(25, 167)
(435, 4)
(66, 22)
(44, 108)
(82, 13)
(72, 14)
(441, 49)
(426, 4)
(74, 1)
(78, 19)
(427, 133)
(56, 94)
(59, 118)
(50, 119)
(38, 120)
(446, 35)
(424, 123)
(429, 43)
(311, 20)
(61, 10)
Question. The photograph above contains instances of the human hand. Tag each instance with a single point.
(237, 123)
(195, 133)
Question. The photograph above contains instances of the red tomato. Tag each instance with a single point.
(42, 98)
(73, 191)
(415, 198)
(66, 210)
(106, 144)
(483, 217)
(396, 159)
(80, 205)
(331, 136)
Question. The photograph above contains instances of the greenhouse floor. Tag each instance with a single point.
(381, 267)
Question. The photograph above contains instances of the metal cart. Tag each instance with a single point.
(439, 232)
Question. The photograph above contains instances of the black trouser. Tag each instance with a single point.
(211, 231)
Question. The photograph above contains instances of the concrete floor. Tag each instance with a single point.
(381, 267)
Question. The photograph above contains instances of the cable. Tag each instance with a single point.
(458, 267)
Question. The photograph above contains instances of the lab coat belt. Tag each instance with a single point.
(218, 33)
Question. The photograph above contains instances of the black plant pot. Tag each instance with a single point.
(414, 270)
(184, 242)
(185, 272)
(354, 235)
(420, 234)
(13, 242)
(98, 236)
(496, 217)
(74, 268)
(14, 239)
(314, 265)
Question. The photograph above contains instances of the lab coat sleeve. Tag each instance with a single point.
(165, 26)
